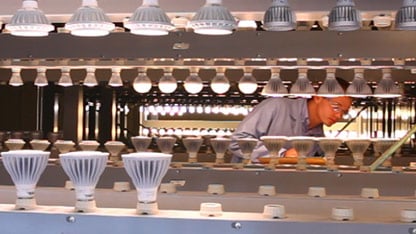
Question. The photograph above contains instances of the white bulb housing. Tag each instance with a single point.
(247, 84)
(167, 84)
(220, 84)
(142, 83)
(193, 84)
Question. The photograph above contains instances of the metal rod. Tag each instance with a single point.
(392, 149)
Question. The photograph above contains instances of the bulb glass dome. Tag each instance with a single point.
(220, 84)
(247, 84)
(167, 84)
(142, 83)
(193, 83)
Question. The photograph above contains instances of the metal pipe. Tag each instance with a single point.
(389, 152)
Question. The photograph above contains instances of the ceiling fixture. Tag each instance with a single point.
(41, 79)
(344, 17)
(406, 16)
(115, 79)
(213, 19)
(302, 87)
(89, 21)
(330, 87)
(142, 83)
(16, 78)
(275, 86)
(149, 20)
(279, 17)
(359, 87)
(167, 83)
(193, 83)
(90, 80)
(247, 84)
(65, 79)
(29, 21)
(386, 88)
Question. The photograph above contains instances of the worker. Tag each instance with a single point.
(288, 117)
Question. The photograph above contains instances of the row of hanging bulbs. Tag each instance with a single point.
(211, 19)
(220, 84)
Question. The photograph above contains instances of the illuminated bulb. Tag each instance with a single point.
(16, 79)
(142, 83)
(65, 79)
(247, 84)
(220, 84)
(146, 170)
(115, 79)
(193, 83)
(89, 21)
(25, 168)
(41, 79)
(84, 169)
(167, 84)
(90, 79)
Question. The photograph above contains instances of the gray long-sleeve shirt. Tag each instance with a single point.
(273, 117)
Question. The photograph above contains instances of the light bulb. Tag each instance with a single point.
(302, 86)
(344, 17)
(358, 87)
(165, 144)
(330, 87)
(41, 79)
(146, 170)
(25, 168)
(114, 148)
(65, 79)
(141, 143)
(88, 145)
(167, 84)
(247, 84)
(275, 87)
(192, 145)
(142, 83)
(193, 83)
(279, 17)
(386, 88)
(115, 79)
(16, 78)
(84, 169)
(220, 84)
(90, 79)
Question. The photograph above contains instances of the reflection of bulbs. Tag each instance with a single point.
(146, 171)
(247, 84)
(90, 79)
(142, 83)
(84, 169)
(220, 84)
(41, 80)
(25, 168)
(193, 83)
(141, 143)
(167, 84)
(115, 79)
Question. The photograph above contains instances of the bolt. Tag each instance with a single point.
(236, 225)
(70, 219)
(340, 55)
(339, 175)
(412, 230)
(178, 171)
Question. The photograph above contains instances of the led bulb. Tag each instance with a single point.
(247, 84)
(115, 79)
(330, 87)
(220, 84)
(167, 84)
(90, 79)
(275, 87)
(41, 79)
(16, 78)
(193, 83)
(142, 83)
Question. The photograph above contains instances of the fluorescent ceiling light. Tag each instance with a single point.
(279, 17)
(344, 17)
(29, 21)
(89, 21)
(213, 19)
(149, 20)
